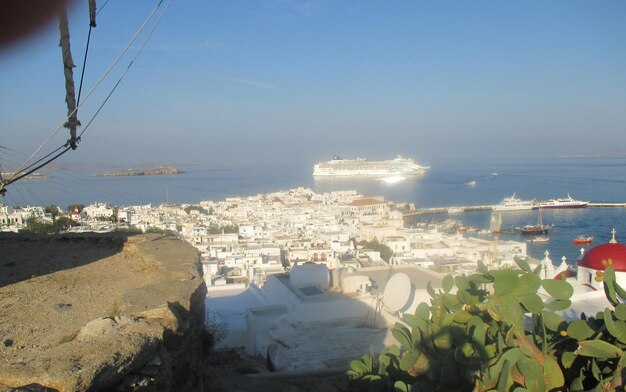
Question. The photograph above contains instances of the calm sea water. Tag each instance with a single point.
(594, 179)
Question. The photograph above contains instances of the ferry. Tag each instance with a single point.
(360, 167)
(564, 202)
(514, 204)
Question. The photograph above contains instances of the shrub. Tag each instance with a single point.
(494, 332)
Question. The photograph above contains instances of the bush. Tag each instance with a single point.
(214, 332)
(478, 338)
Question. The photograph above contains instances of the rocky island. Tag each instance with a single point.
(161, 171)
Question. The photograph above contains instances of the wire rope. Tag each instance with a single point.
(96, 85)
(145, 41)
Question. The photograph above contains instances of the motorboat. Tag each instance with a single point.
(541, 239)
(583, 239)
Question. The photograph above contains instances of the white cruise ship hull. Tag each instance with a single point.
(364, 168)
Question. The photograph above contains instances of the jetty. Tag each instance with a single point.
(443, 210)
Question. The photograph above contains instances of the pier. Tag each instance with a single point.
(442, 210)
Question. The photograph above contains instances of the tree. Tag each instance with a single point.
(52, 210)
(63, 224)
(36, 225)
(77, 207)
(384, 250)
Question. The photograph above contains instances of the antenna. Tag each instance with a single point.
(397, 292)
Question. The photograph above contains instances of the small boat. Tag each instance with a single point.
(455, 210)
(539, 228)
(541, 239)
(471, 183)
(583, 239)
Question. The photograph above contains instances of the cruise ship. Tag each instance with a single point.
(362, 167)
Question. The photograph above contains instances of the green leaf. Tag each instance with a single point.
(423, 311)
(529, 283)
(533, 377)
(476, 330)
(411, 320)
(552, 374)
(443, 339)
(462, 317)
(461, 282)
(567, 359)
(551, 320)
(580, 330)
(430, 290)
(467, 298)
(479, 279)
(511, 356)
(447, 283)
(557, 288)
(620, 312)
(522, 264)
(617, 328)
(619, 290)
(446, 320)
(511, 311)
(558, 304)
(609, 285)
(577, 384)
(408, 359)
(403, 336)
(531, 302)
(401, 386)
(505, 281)
(505, 381)
(450, 301)
(598, 349)
(358, 366)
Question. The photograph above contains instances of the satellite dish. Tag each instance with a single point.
(397, 292)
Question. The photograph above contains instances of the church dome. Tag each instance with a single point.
(601, 256)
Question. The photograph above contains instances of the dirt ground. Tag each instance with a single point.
(45, 299)
(233, 370)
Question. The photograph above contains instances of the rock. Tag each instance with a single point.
(62, 317)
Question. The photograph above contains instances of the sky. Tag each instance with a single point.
(233, 81)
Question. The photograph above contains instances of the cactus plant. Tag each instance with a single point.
(494, 332)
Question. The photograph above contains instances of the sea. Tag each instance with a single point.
(601, 180)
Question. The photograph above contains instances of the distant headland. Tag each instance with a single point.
(161, 171)
(32, 176)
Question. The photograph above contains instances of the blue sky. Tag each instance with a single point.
(287, 80)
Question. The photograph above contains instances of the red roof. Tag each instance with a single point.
(601, 256)
(366, 202)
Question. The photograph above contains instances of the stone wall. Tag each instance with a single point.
(100, 312)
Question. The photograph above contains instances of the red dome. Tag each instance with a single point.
(601, 256)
